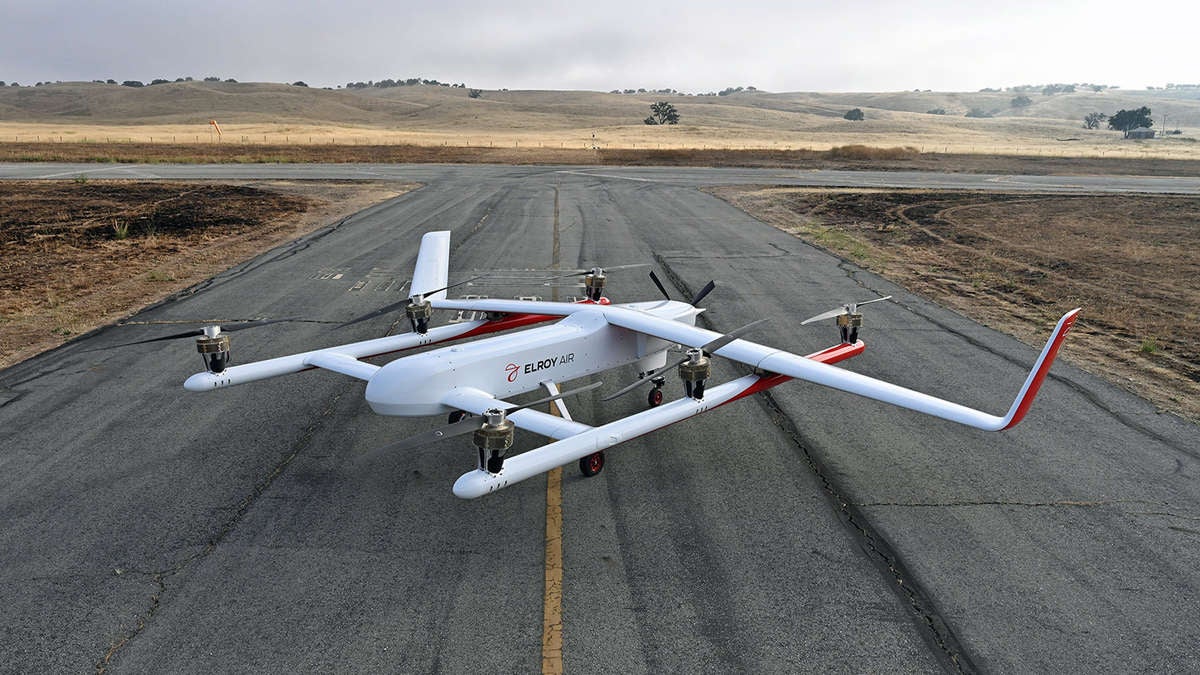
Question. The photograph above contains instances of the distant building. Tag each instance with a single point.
(1140, 132)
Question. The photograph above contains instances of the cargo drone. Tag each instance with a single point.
(473, 380)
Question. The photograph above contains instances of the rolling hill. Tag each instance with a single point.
(431, 114)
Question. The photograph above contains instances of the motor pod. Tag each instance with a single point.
(694, 371)
(419, 311)
(493, 439)
(594, 284)
(214, 347)
(848, 325)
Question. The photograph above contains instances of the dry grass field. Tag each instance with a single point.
(1016, 262)
(75, 255)
(433, 116)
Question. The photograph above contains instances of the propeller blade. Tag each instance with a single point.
(827, 315)
(459, 428)
(403, 303)
(562, 394)
(371, 315)
(457, 283)
(708, 288)
(654, 278)
(162, 338)
(470, 424)
(634, 385)
(197, 332)
(621, 267)
(867, 302)
(844, 309)
(235, 327)
(713, 346)
(581, 273)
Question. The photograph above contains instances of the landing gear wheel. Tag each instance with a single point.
(458, 416)
(592, 464)
(654, 398)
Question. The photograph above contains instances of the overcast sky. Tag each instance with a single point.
(693, 46)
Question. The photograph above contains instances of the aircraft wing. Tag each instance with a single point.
(477, 401)
(792, 365)
(501, 306)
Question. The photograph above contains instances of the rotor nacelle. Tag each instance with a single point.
(214, 346)
(493, 439)
(594, 284)
(419, 311)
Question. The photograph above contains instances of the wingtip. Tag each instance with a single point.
(1040, 369)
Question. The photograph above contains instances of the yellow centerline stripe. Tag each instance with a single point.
(552, 661)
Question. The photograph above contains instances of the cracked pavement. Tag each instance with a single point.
(148, 529)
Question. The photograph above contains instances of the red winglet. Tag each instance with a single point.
(1034, 382)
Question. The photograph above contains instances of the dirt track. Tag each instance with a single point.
(842, 157)
(78, 254)
(1018, 261)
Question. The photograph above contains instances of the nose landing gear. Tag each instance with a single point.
(655, 397)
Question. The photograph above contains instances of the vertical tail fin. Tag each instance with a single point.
(432, 271)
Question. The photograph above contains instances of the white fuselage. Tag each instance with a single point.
(507, 365)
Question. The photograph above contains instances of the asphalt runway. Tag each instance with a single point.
(258, 528)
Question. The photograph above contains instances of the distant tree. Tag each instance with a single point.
(1125, 120)
(855, 115)
(180, 79)
(132, 83)
(299, 83)
(231, 80)
(2, 83)
(1021, 101)
(662, 113)
(978, 112)
(110, 81)
(1051, 89)
(212, 78)
(1093, 120)
(936, 111)
(159, 80)
(474, 93)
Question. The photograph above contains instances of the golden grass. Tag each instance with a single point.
(998, 140)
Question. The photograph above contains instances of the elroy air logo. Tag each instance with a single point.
(512, 369)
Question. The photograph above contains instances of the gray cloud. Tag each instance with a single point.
(697, 46)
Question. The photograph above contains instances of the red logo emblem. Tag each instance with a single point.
(512, 370)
